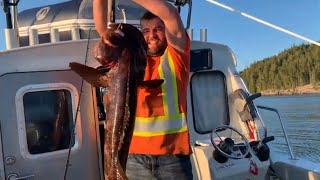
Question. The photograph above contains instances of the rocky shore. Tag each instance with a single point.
(306, 89)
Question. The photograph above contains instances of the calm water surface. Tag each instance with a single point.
(301, 115)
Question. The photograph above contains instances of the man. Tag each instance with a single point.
(160, 147)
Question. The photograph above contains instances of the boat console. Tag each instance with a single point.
(229, 143)
(227, 158)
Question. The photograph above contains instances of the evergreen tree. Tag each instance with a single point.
(296, 66)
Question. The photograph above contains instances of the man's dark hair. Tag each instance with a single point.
(148, 16)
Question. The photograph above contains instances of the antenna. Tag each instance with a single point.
(264, 22)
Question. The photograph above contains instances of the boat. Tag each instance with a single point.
(52, 121)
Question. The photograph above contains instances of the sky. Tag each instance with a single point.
(249, 40)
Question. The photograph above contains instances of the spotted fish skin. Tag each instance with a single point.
(122, 51)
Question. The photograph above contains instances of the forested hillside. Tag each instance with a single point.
(297, 66)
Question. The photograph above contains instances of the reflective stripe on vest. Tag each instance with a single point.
(173, 121)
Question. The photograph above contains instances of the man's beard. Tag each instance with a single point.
(157, 51)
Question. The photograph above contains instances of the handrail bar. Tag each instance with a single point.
(283, 128)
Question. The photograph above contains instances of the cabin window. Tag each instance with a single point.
(44, 38)
(48, 120)
(65, 36)
(24, 41)
(201, 59)
(209, 101)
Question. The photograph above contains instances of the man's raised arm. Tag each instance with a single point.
(100, 15)
(175, 32)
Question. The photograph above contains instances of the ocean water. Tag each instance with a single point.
(301, 116)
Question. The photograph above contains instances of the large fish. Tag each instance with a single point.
(122, 54)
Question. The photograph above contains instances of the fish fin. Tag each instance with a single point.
(89, 74)
(151, 83)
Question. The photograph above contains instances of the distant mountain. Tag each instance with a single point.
(286, 72)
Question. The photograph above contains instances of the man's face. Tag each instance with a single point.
(154, 33)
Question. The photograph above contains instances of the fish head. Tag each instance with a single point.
(108, 50)
(117, 39)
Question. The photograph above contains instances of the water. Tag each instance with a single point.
(301, 115)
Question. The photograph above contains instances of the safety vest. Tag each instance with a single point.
(160, 126)
(173, 121)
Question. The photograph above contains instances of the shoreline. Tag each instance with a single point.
(300, 90)
(287, 94)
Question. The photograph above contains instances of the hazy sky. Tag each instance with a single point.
(250, 41)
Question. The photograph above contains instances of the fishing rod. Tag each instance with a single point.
(264, 22)
(72, 137)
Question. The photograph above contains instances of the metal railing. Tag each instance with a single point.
(283, 128)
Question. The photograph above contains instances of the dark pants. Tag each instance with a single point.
(160, 167)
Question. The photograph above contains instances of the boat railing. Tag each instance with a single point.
(292, 156)
(33, 35)
(265, 130)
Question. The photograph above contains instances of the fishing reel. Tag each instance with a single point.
(227, 148)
